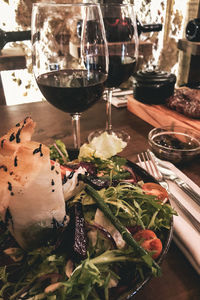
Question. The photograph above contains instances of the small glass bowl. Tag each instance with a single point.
(174, 143)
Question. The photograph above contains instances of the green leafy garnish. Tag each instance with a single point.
(41, 274)
(58, 152)
(120, 227)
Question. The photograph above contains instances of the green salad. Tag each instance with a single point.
(103, 247)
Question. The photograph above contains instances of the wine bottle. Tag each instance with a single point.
(13, 36)
(118, 30)
(193, 30)
(148, 27)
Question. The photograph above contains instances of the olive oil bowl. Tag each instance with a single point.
(174, 143)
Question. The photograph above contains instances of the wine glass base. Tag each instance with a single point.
(121, 134)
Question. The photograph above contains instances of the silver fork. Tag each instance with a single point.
(170, 175)
(147, 162)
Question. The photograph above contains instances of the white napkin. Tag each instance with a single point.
(185, 235)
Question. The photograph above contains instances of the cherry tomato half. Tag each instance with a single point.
(153, 245)
(155, 189)
(144, 234)
(149, 241)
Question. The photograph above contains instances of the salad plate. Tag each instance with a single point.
(96, 227)
(126, 291)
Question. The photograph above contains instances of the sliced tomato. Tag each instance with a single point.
(153, 245)
(63, 169)
(155, 189)
(149, 241)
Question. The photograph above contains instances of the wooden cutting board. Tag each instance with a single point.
(159, 115)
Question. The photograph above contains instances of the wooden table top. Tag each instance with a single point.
(179, 280)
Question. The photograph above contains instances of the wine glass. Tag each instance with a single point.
(122, 37)
(70, 62)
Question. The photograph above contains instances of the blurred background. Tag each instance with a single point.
(169, 51)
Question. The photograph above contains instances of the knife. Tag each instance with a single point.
(194, 222)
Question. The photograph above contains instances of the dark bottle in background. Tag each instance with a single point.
(13, 36)
(193, 30)
(148, 27)
(112, 25)
(118, 30)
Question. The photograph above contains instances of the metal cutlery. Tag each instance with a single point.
(168, 174)
(146, 161)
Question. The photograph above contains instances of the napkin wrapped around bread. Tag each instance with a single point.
(32, 204)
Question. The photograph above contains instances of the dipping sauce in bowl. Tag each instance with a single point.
(176, 144)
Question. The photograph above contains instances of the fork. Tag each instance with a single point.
(147, 162)
(168, 174)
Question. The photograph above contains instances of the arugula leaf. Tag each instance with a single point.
(131, 205)
(95, 273)
(121, 228)
(58, 152)
(83, 280)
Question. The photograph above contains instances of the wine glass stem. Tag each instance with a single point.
(76, 130)
(109, 110)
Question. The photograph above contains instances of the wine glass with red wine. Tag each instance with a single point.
(70, 68)
(122, 38)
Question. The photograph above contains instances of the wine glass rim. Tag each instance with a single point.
(65, 4)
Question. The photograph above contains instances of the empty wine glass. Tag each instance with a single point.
(121, 33)
(70, 62)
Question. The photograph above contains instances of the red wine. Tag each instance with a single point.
(72, 91)
(120, 69)
(118, 29)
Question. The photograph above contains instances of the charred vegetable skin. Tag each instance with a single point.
(73, 239)
(78, 231)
